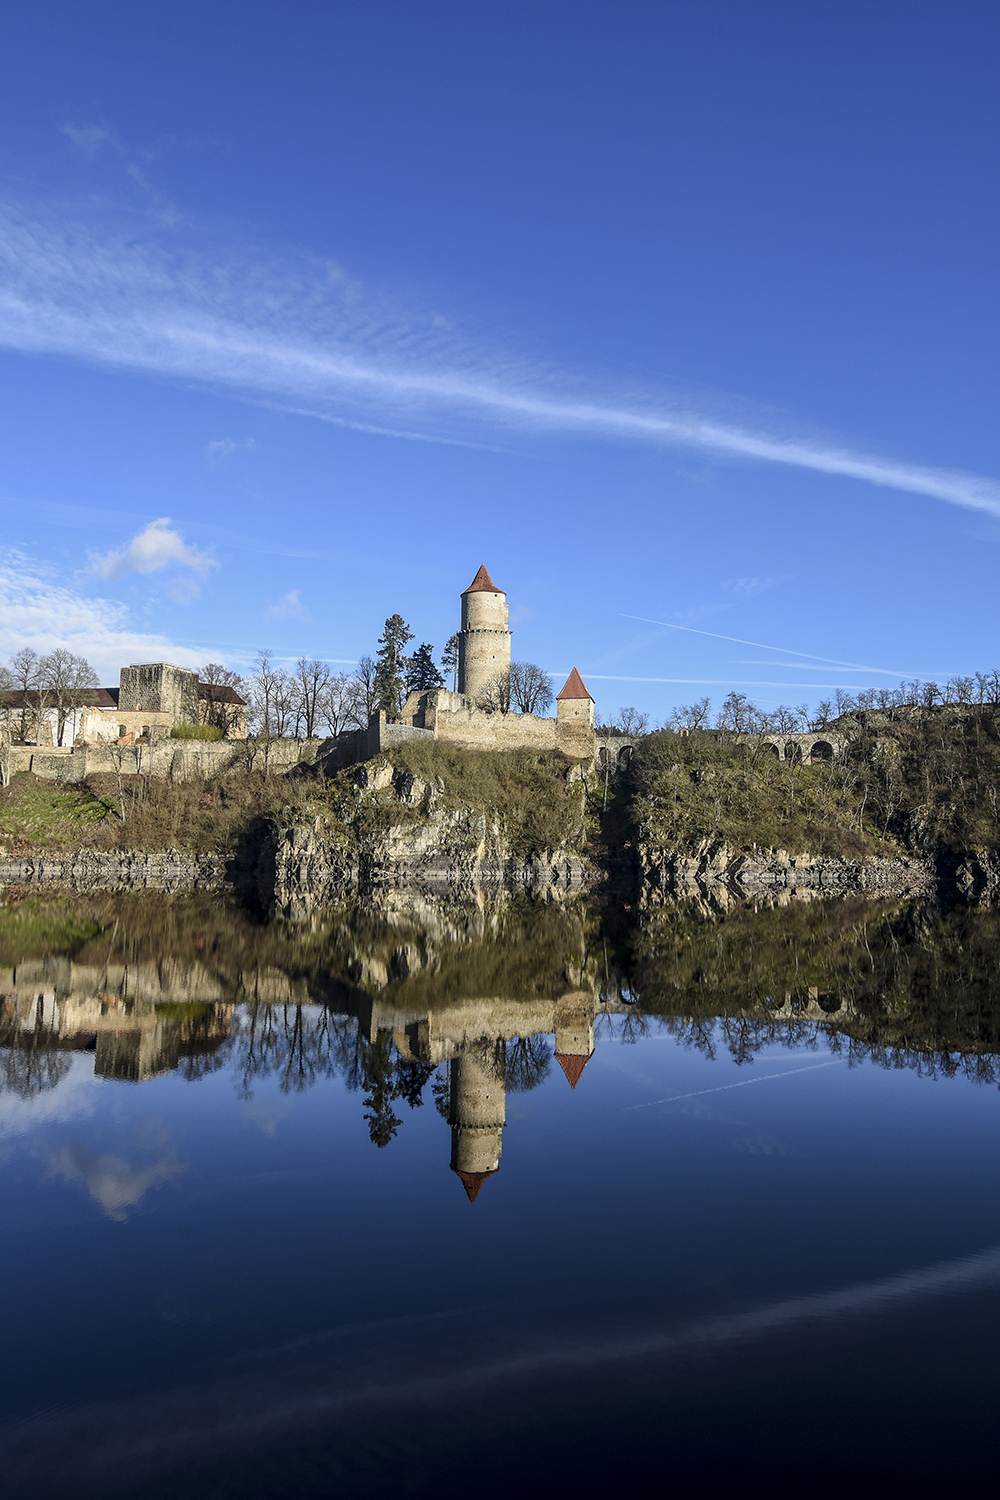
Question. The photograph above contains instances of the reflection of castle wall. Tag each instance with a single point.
(130, 1040)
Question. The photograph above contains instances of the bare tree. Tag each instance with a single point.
(788, 720)
(367, 681)
(312, 679)
(529, 688)
(737, 713)
(217, 707)
(494, 695)
(63, 677)
(26, 676)
(286, 706)
(340, 707)
(692, 716)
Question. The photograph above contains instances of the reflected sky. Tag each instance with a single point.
(537, 1195)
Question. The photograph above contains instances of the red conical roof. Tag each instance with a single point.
(573, 1066)
(574, 687)
(483, 583)
(472, 1182)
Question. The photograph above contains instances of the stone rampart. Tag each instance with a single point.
(166, 759)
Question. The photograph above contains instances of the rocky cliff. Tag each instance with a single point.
(710, 863)
(400, 830)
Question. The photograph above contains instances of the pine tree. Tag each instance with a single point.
(421, 671)
(449, 660)
(390, 663)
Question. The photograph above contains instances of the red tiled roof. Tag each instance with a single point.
(574, 687)
(472, 1182)
(483, 583)
(573, 1066)
(217, 692)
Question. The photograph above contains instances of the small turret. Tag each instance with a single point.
(575, 715)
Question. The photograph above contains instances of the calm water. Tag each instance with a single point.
(435, 1201)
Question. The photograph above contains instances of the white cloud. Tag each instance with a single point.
(288, 607)
(155, 548)
(748, 588)
(88, 138)
(282, 331)
(219, 449)
(111, 1181)
(38, 610)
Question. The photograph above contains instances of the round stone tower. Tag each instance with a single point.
(484, 640)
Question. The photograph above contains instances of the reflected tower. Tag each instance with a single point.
(477, 1112)
(574, 1034)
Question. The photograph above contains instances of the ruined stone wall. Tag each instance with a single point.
(166, 759)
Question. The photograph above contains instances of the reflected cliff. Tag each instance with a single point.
(454, 1007)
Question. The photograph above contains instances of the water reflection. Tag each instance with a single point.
(458, 1006)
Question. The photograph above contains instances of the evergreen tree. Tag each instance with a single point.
(421, 671)
(390, 663)
(449, 660)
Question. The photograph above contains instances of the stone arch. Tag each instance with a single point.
(828, 1003)
(821, 750)
(624, 757)
(770, 748)
(604, 757)
(793, 752)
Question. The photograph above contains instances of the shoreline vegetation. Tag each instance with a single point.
(912, 791)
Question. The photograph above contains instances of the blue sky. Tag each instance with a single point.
(674, 315)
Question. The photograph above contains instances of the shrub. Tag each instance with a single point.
(196, 732)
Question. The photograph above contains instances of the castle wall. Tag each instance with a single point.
(165, 759)
(482, 731)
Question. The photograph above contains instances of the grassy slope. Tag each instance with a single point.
(527, 790)
(688, 787)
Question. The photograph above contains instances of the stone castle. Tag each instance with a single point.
(128, 728)
(465, 717)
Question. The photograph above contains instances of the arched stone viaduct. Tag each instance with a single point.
(818, 746)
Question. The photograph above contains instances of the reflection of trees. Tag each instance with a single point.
(33, 1065)
(389, 1077)
(526, 1062)
(298, 1045)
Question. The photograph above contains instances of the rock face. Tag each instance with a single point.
(118, 870)
(712, 864)
(402, 834)
(977, 876)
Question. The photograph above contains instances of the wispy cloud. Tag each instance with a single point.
(288, 607)
(749, 588)
(91, 140)
(88, 139)
(283, 331)
(219, 449)
(154, 549)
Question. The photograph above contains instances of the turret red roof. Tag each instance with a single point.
(472, 1182)
(574, 687)
(573, 1066)
(483, 583)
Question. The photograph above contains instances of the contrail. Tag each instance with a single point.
(738, 640)
(742, 1084)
